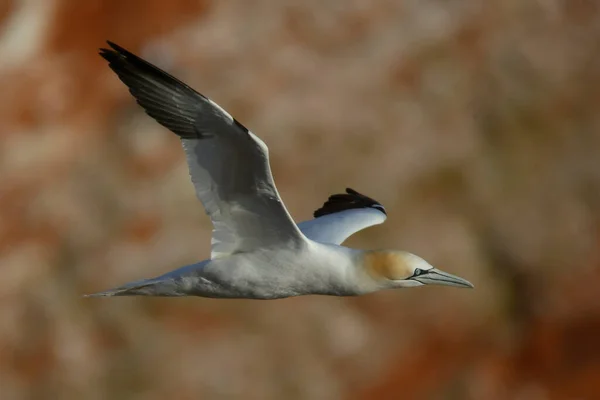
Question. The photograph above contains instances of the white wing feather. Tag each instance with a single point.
(337, 227)
(229, 165)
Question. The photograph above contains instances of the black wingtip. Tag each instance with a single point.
(165, 98)
(110, 44)
(350, 200)
(115, 47)
(106, 54)
(115, 52)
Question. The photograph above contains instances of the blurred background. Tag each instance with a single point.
(475, 123)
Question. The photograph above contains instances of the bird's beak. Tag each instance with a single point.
(436, 277)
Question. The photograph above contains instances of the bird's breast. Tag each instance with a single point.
(270, 274)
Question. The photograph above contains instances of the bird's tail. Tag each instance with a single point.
(145, 287)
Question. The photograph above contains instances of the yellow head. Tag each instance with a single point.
(396, 269)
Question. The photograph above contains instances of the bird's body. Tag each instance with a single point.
(314, 268)
(258, 251)
(265, 274)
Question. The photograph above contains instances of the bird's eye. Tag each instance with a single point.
(417, 272)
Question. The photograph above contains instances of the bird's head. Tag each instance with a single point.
(399, 269)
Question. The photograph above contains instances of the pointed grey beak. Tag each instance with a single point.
(436, 277)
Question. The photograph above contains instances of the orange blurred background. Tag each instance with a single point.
(476, 124)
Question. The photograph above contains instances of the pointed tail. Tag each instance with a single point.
(145, 287)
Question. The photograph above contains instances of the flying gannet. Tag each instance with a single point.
(257, 250)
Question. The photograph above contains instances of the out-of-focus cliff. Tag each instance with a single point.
(476, 124)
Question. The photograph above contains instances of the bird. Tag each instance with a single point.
(257, 250)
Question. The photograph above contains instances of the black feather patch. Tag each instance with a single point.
(165, 98)
(350, 200)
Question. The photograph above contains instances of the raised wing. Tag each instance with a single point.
(229, 165)
(341, 216)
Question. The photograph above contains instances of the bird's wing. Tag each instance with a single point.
(228, 164)
(341, 216)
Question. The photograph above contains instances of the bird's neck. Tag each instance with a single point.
(344, 271)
